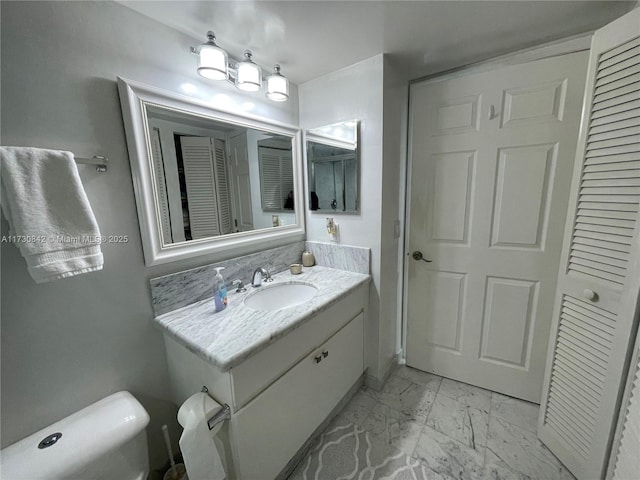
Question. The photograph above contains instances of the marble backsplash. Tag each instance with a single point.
(177, 290)
(180, 289)
(343, 257)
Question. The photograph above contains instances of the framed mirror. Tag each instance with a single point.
(332, 168)
(208, 180)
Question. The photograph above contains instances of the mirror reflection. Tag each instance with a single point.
(332, 159)
(214, 178)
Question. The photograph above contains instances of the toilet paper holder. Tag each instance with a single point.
(221, 416)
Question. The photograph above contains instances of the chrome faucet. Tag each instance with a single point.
(238, 283)
(259, 275)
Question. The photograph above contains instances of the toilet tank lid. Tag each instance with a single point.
(87, 435)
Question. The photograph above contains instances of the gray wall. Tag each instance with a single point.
(373, 91)
(71, 342)
(395, 117)
(357, 92)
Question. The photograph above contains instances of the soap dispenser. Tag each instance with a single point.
(219, 290)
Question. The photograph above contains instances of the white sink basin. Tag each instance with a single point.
(277, 297)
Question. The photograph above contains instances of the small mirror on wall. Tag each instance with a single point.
(333, 164)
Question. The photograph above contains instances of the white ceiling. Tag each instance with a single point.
(311, 38)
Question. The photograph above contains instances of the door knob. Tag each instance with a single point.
(590, 294)
(417, 255)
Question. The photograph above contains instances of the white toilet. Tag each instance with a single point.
(105, 441)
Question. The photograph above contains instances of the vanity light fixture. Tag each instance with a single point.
(215, 64)
(277, 86)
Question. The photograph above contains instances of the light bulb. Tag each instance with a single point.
(212, 60)
(249, 76)
(277, 86)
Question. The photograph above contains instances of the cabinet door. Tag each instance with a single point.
(256, 373)
(270, 429)
(599, 277)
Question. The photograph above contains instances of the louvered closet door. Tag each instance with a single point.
(625, 462)
(270, 184)
(202, 198)
(276, 177)
(222, 184)
(287, 174)
(599, 281)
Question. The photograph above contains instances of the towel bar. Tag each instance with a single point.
(99, 161)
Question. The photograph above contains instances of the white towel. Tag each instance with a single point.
(49, 214)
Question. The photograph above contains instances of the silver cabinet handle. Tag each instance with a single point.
(417, 255)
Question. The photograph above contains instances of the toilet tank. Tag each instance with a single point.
(105, 441)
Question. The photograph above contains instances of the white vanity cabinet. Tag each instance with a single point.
(273, 426)
(282, 393)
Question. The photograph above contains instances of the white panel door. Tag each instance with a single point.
(491, 162)
(240, 183)
(599, 278)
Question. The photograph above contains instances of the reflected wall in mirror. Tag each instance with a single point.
(208, 180)
(332, 160)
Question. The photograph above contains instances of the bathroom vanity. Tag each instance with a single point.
(281, 370)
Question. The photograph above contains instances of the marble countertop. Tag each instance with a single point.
(227, 338)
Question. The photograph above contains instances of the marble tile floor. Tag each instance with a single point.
(424, 427)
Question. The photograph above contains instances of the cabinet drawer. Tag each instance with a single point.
(274, 425)
(258, 372)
